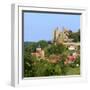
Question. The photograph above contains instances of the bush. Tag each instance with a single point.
(43, 68)
(77, 60)
(72, 71)
(42, 43)
(55, 49)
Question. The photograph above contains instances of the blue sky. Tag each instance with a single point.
(40, 26)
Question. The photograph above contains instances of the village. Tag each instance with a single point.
(59, 56)
(60, 37)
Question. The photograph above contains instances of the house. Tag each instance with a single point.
(39, 52)
(71, 47)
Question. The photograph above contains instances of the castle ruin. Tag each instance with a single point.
(61, 36)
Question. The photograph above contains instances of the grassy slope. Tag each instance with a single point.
(73, 71)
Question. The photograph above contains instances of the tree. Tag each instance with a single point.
(75, 35)
(55, 49)
(42, 43)
(44, 68)
(27, 64)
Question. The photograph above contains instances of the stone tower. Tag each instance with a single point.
(56, 34)
(61, 36)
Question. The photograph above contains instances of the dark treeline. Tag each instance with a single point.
(75, 35)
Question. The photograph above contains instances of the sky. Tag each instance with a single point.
(40, 26)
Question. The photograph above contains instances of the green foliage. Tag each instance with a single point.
(35, 67)
(55, 49)
(72, 71)
(43, 43)
(75, 36)
(43, 68)
(77, 61)
(62, 65)
(30, 47)
(28, 64)
(57, 69)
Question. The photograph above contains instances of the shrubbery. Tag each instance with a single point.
(42, 68)
(55, 49)
(35, 67)
(75, 36)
